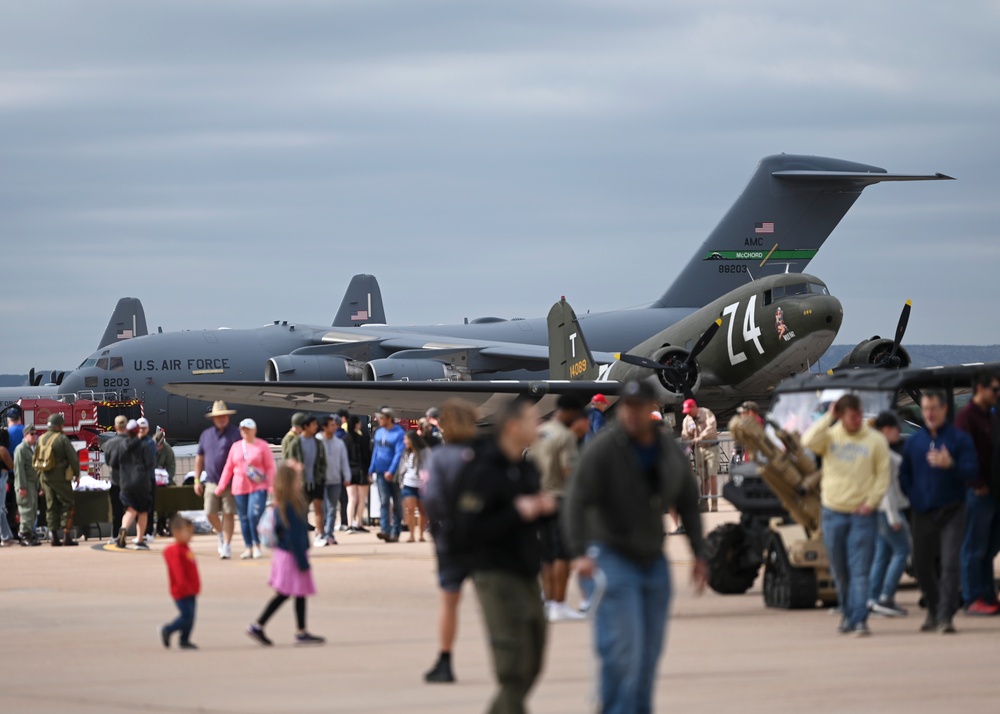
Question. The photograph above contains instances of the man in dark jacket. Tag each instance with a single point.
(114, 494)
(134, 462)
(626, 480)
(982, 528)
(938, 462)
(498, 507)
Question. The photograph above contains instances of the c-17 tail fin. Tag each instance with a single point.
(787, 210)
(569, 356)
(127, 321)
(362, 303)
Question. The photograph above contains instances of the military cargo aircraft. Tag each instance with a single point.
(779, 222)
(770, 329)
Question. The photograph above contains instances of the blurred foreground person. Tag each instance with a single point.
(498, 508)
(938, 461)
(631, 474)
(458, 420)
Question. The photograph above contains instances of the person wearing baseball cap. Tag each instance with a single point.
(63, 468)
(701, 431)
(26, 485)
(386, 455)
(150, 446)
(214, 445)
(631, 474)
(595, 414)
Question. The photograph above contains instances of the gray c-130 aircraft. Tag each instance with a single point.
(781, 219)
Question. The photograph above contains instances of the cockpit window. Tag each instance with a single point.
(782, 291)
(117, 364)
(88, 363)
(102, 363)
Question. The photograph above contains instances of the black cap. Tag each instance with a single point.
(569, 403)
(886, 419)
(637, 391)
(14, 412)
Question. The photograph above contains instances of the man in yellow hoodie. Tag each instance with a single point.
(855, 477)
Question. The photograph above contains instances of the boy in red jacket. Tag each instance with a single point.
(184, 582)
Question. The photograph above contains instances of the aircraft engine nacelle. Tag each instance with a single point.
(875, 351)
(311, 368)
(407, 370)
(680, 381)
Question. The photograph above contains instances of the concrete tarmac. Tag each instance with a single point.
(79, 633)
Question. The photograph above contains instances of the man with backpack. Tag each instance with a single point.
(58, 467)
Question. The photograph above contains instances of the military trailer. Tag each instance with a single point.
(776, 490)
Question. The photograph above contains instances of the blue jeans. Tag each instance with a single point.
(891, 551)
(5, 532)
(331, 502)
(850, 546)
(979, 547)
(389, 490)
(630, 628)
(250, 507)
(185, 620)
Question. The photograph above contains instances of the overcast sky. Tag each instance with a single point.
(235, 162)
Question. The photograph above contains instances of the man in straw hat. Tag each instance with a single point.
(213, 450)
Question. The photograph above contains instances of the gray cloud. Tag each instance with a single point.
(236, 162)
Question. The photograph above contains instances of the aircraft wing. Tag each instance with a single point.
(409, 399)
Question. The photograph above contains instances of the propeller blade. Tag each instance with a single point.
(640, 361)
(703, 341)
(52, 377)
(904, 318)
(31, 377)
(60, 377)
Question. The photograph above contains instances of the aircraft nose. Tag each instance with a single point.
(829, 311)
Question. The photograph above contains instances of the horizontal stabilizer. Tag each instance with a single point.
(856, 176)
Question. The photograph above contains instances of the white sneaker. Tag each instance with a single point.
(320, 542)
(257, 553)
(246, 554)
(561, 612)
(222, 544)
(150, 538)
(226, 551)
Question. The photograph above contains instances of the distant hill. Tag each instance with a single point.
(925, 355)
(13, 380)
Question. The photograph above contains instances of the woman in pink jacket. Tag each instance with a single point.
(250, 468)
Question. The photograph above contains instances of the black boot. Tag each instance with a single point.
(55, 539)
(68, 540)
(441, 672)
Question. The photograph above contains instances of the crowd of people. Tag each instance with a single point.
(933, 496)
(523, 509)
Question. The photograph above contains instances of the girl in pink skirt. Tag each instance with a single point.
(291, 575)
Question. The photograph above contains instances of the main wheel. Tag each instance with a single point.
(785, 586)
(731, 568)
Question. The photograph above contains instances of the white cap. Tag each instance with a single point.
(132, 425)
(248, 424)
(143, 423)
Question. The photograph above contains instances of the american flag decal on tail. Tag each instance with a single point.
(767, 227)
(359, 315)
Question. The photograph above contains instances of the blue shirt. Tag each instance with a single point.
(214, 445)
(930, 488)
(16, 434)
(388, 450)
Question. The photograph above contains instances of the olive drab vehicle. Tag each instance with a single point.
(777, 493)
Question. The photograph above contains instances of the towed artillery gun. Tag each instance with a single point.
(777, 491)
